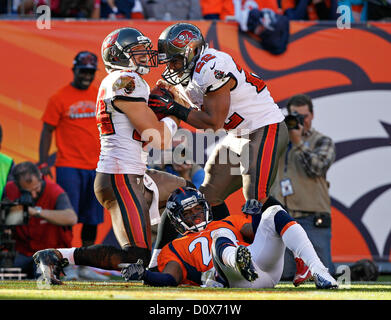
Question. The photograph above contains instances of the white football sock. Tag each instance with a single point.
(67, 253)
(228, 256)
(296, 239)
(153, 261)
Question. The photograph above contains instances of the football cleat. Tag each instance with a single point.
(244, 264)
(51, 264)
(303, 273)
(324, 280)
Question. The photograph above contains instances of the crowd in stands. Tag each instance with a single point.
(361, 10)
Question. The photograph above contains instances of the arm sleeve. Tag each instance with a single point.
(158, 279)
(63, 202)
(317, 161)
(297, 12)
(52, 113)
(195, 10)
(165, 256)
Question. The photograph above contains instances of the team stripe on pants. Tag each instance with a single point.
(131, 211)
(265, 162)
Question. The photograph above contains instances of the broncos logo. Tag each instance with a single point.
(183, 39)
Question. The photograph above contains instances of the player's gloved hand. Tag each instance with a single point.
(252, 207)
(167, 105)
(161, 103)
(132, 271)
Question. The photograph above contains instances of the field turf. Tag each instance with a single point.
(117, 299)
(119, 290)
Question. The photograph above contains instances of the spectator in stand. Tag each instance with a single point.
(70, 114)
(28, 7)
(172, 10)
(77, 8)
(358, 9)
(6, 165)
(3, 7)
(379, 10)
(310, 9)
(122, 9)
(96, 10)
(216, 9)
(225, 10)
(50, 217)
(63, 9)
(264, 22)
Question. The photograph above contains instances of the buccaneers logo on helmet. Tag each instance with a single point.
(183, 39)
(110, 40)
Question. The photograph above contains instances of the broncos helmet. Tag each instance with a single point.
(180, 41)
(184, 199)
(117, 51)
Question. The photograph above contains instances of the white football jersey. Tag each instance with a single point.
(251, 105)
(121, 148)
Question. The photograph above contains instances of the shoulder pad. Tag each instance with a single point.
(125, 81)
(213, 70)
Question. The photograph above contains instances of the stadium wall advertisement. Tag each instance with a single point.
(347, 72)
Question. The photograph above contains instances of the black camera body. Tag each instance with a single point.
(25, 200)
(8, 221)
(293, 120)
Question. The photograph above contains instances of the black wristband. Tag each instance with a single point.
(179, 111)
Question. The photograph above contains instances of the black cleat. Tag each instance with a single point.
(244, 264)
(51, 264)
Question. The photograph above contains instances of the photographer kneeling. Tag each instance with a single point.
(301, 183)
(50, 215)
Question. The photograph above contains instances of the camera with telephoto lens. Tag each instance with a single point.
(14, 218)
(293, 120)
(9, 219)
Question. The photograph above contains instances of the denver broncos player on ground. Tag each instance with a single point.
(123, 185)
(228, 97)
(224, 245)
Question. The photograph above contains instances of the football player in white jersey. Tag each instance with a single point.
(123, 185)
(229, 97)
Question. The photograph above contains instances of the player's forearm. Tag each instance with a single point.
(158, 279)
(203, 120)
(44, 145)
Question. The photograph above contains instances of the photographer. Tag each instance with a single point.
(301, 183)
(50, 215)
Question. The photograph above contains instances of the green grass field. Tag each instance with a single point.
(119, 290)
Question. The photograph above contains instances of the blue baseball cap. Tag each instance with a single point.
(85, 60)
